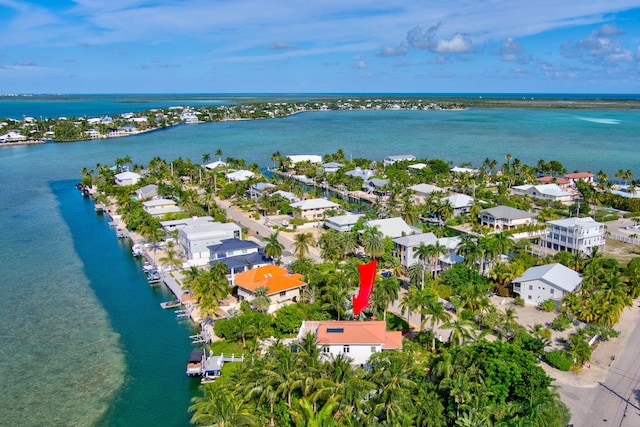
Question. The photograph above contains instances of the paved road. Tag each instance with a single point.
(262, 230)
(616, 402)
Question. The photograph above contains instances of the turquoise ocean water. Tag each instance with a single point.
(83, 339)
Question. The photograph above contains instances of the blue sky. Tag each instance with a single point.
(324, 46)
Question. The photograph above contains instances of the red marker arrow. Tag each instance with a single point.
(367, 277)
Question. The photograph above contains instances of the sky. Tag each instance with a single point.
(321, 46)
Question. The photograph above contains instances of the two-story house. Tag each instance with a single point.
(283, 287)
(505, 218)
(573, 235)
(354, 339)
(544, 282)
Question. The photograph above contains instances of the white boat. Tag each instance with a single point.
(195, 362)
(171, 304)
(137, 249)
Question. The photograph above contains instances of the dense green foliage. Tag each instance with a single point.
(495, 382)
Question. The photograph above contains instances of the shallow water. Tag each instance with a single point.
(84, 340)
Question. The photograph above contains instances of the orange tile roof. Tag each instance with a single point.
(357, 332)
(579, 175)
(554, 179)
(277, 279)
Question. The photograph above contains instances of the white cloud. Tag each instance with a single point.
(387, 50)
(512, 51)
(361, 63)
(458, 44)
(281, 45)
(599, 45)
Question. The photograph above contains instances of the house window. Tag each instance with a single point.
(325, 349)
(528, 296)
(345, 349)
(530, 287)
(373, 349)
(283, 293)
(551, 291)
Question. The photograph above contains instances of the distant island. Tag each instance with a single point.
(31, 130)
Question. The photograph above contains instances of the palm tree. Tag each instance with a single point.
(305, 415)
(206, 157)
(219, 154)
(261, 301)
(273, 249)
(222, 409)
(301, 244)
(385, 292)
(373, 242)
(171, 258)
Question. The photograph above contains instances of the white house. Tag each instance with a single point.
(147, 192)
(392, 227)
(580, 176)
(424, 190)
(314, 208)
(292, 198)
(12, 136)
(389, 160)
(358, 172)
(238, 255)
(160, 207)
(573, 235)
(311, 158)
(216, 164)
(544, 191)
(342, 222)
(461, 203)
(354, 339)
(240, 175)
(505, 217)
(405, 249)
(177, 224)
(196, 238)
(331, 167)
(127, 178)
(551, 281)
(458, 169)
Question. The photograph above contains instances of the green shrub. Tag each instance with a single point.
(518, 301)
(562, 322)
(559, 360)
(548, 305)
(443, 291)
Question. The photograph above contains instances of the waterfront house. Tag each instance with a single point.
(284, 288)
(292, 198)
(342, 222)
(375, 185)
(417, 166)
(389, 160)
(458, 169)
(550, 192)
(544, 282)
(331, 167)
(298, 158)
(216, 164)
(392, 227)
(461, 203)
(360, 173)
(147, 192)
(239, 255)
(161, 207)
(259, 188)
(177, 224)
(579, 176)
(573, 235)
(563, 183)
(505, 218)
(240, 175)
(313, 209)
(127, 178)
(12, 136)
(194, 239)
(355, 339)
